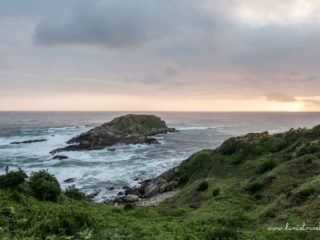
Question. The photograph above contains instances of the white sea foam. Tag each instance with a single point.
(98, 169)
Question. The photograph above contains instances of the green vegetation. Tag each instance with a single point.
(12, 179)
(129, 206)
(267, 166)
(203, 186)
(215, 192)
(139, 123)
(44, 186)
(275, 182)
(74, 193)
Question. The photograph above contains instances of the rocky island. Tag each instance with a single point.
(128, 129)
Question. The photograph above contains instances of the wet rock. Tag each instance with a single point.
(111, 188)
(70, 180)
(120, 193)
(91, 196)
(111, 150)
(60, 157)
(30, 141)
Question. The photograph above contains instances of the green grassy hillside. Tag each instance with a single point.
(236, 191)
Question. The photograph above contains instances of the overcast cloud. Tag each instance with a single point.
(209, 50)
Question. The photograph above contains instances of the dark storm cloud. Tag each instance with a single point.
(117, 24)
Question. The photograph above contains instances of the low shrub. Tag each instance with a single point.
(237, 159)
(44, 186)
(203, 186)
(257, 196)
(215, 192)
(74, 193)
(129, 206)
(308, 148)
(222, 233)
(12, 179)
(266, 166)
(255, 187)
(230, 146)
(315, 131)
(303, 195)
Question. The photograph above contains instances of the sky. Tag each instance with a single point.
(168, 55)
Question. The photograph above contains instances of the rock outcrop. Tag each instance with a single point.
(150, 188)
(60, 157)
(128, 129)
(30, 141)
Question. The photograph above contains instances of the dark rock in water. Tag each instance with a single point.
(60, 157)
(111, 149)
(69, 180)
(120, 193)
(30, 141)
(91, 196)
(111, 188)
(128, 129)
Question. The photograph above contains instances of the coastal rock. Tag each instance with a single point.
(70, 180)
(151, 187)
(131, 198)
(91, 196)
(128, 129)
(60, 157)
(30, 141)
(132, 191)
(157, 185)
(111, 188)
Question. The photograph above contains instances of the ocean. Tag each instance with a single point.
(99, 170)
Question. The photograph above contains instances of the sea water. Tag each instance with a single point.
(99, 170)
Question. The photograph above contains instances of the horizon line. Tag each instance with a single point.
(194, 111)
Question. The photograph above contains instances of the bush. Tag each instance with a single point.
(129, 206)
(266, 166)
(203, 186)
(308, 149)
(12, 179)
(74, 193)
(222, 233)
(237, 159)
(255, 187)
(303, 195)
(216, 192)
(257, 196)
(44, 186)
(316, 131)
(230, 146)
